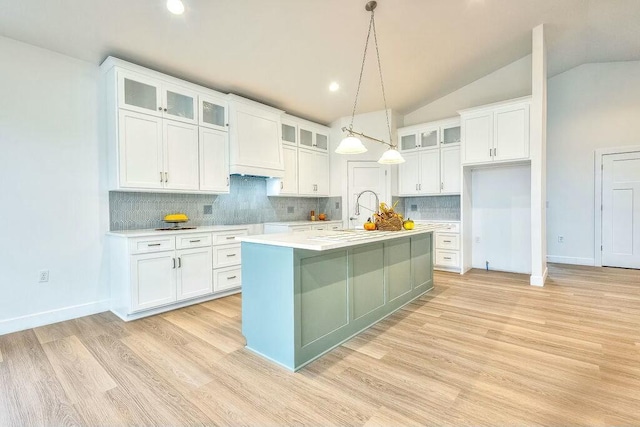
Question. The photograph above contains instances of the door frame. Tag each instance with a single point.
(597, 205)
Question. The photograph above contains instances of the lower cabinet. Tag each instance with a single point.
(446, 256)
(163, 272)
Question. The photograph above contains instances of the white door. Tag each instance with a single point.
(429, 172)
(140, 150)
(621, 210)
(181, 155)
(306, 172)
(195, 272)
(153, 280)
(477, 138)
(511, 139)
(366, 176)
(214, 160)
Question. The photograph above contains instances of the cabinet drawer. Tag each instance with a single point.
(143, 245)
(452, 227)
(300, 228)
(227, 255)
(227, 278)
(334, 226)
(447, 241)
(193, 241)
(226, 237)
(319, 227)
(448, 258)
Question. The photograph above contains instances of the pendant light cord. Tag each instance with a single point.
(372, 25)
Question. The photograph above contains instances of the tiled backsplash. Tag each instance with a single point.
(444, 208)
(247, 203)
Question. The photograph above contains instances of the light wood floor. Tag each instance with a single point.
(483, 348)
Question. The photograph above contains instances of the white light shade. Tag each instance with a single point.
(391, 157)
(175, 6)
(351, 145)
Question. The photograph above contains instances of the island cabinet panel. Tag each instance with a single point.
(298, 304)
(398, 262)
(323, 303)
(367, 280)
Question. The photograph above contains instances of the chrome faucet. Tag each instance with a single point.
(357, 211)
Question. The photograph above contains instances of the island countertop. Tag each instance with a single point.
(323, 240)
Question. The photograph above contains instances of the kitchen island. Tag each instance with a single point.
(306, 293)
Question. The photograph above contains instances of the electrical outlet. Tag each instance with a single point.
(43, 275)
(289, 209)
(560, 239)
(477, 239)
(414, 208)
(337, 205)
(208, 209)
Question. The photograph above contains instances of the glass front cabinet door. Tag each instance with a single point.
(450, 134)
(180, 104)
(139, 93)
(213, 113)
(289, 132)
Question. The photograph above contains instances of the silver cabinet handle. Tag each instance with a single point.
(416, 187)
(495, 152)
(442, 185)
(281, 185)
(179, 262)
(449, 258)
(231, 237)
(230, 255)
(447, 241)
(420, 187)
(166, 177)
(154, 244)
(161, 177)
(231, 277)
(194, 241)
(174, 262)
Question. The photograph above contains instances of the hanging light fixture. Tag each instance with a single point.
(351, 144)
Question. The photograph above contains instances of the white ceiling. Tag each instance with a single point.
(286, 52)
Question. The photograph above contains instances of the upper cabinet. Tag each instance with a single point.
(256, 147)
(306, 170)
(432, 154)
(164, 134)
(496, 133)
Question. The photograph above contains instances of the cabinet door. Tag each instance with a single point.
(289, 133)
(257, 141)
(322, 141)
(153, 280)
(477, 138)
(408, 141)
(181, 155)
(322, 174)
(194, 273)
(409, 174)
(306, 137)
(511, 141)
(306, 172)
(214, 160)
(428, 138)
(213, 113)
(289, 184)
(429, 172)
(140, 150)
(139, 93)
(450, 134)
(450, 170)
(179, 104)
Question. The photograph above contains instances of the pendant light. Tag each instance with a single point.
(351, 144)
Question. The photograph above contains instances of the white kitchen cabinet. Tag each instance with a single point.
(300, 226)
(255, 143)
(153, 271)
(313, 136)
(446, 255)
(194, 272)
(157, 153)
(496, 133)
(153, 280)
(289, 183)
(313, 173)
(214, 160)
(181, 154)
(213, 113)
(153, 123)
(289, 131)
(144, 94)
(140, 149)
(432, 154)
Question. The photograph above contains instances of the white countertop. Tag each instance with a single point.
(153, 232)
(322, 240)
(294, 223)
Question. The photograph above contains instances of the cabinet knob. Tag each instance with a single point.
(159, 108)
(165, 110)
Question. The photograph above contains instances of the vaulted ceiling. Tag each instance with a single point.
(286, 52)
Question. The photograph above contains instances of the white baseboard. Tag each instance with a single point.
(53, 316)
(571, 260)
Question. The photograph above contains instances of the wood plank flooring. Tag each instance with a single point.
(480, 349)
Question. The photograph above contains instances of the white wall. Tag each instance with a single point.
(589, 107)
(501, 218)
(511, 81)
(54, 214)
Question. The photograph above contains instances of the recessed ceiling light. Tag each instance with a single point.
(334, 86)
(175, 6)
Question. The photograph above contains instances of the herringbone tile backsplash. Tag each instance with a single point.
(247, 203)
